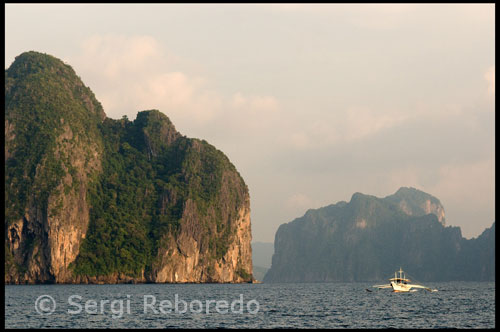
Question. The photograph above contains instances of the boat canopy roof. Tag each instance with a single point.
(399, 279)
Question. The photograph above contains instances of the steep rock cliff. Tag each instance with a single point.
(95, 200)
(368, 238)
(52, 148)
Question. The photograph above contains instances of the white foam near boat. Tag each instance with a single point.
(401, 284)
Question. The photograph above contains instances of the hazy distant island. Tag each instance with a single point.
(368, 238)
(262, 254)
(90, 199)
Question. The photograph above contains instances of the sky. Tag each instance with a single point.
(311, 103)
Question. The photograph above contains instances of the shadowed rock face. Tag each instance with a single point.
(95, 200)
(368, 238)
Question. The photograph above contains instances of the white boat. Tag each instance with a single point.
(401, 284)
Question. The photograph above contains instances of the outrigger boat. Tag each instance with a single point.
(401, 284)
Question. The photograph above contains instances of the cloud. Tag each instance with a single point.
(490, 77)
(257, 104)
(339, 127)
(381, 16)
(298, 203)
(371, 16)
(329, 150)
(361, 122)
(255, 113)
(299, 200)
(130, 73)
(468, 194)
(464, 181)
(118, 53)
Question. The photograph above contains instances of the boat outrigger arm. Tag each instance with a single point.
(400, 284)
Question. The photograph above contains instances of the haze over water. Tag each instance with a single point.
(310, 102)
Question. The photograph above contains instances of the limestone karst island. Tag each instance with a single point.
(89, 199)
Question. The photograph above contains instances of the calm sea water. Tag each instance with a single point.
(321, 305)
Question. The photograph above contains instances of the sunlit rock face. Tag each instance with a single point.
(90, 199)
(418, 203)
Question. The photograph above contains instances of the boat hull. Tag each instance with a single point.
(400, 288)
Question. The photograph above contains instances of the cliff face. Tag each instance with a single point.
(368, 238)
(417, 203)
(91, 199)
(49, 157)
(182, 259)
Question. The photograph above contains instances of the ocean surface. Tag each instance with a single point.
(312, 305)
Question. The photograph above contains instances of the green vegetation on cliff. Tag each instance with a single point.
(113, 197)
(149, 172)
(41, 96)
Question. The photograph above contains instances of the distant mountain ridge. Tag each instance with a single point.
(368, 238)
